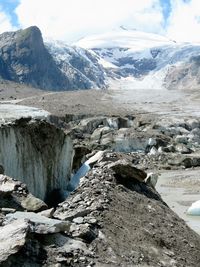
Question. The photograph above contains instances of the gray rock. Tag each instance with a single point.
(152, 142)
(7, 185)
(83, 231)
(12, 238)
(14, 194)
(7, 210)
(31, 203)
(126, 170)
(182, 149)
(78, 220)
(181, 139)
(40, 224)
(71, 214)
(47, 213)
(65, 244)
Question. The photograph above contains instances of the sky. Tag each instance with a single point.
(70, 20)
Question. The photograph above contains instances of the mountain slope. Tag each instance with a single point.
(122, 58)
(142, 60)
(25, 59)
(78, 63)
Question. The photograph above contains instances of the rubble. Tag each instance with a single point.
(112, 214)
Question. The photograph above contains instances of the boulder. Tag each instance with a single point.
(12, 238)
(40, 224)
(181, 139)
(31, 203)
(7, 185)
(14, 194)
(125, 169)
(181, 148)
(47, 213)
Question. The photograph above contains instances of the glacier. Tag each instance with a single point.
(35, 152)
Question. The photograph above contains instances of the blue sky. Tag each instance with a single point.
(9, 6)
(166, 9)
(69, 20)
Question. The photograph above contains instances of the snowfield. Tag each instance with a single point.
(141, 60)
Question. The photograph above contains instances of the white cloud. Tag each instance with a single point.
(184, 21)
(72, 19)
(5, 24)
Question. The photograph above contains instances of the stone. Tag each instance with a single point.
(14, 194)
(182, 149)
(65, 243)
(181, 139)
(76, 199)
(78, 220)
(31, 203)
(7, 210)
(100, 132)
(190, 162)
(12, 238)
(83, 231)
(95, 158)
(40, 224)
(47, 213)
(71, 214)
(7, 185)
(126, 170)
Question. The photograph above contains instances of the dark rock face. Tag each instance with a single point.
(25, 59)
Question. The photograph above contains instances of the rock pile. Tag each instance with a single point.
(115, 217)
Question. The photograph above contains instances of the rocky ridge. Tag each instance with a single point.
(91, 228)
(115, 217)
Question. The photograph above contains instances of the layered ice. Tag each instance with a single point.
(34, 151)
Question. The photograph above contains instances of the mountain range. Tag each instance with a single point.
(121, 58)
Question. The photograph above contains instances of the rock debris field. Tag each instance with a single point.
(129, 205)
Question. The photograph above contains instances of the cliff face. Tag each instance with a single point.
(37, 153)
(25, 59)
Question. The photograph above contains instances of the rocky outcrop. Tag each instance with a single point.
(37, 153)
(113, 218)
(39, 224)
(12, 238)
(15, 195)
(25, 59)
(125, 220)
(184, 75)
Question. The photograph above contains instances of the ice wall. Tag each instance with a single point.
(37, 153)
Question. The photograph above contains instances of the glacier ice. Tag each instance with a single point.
(36, 153)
